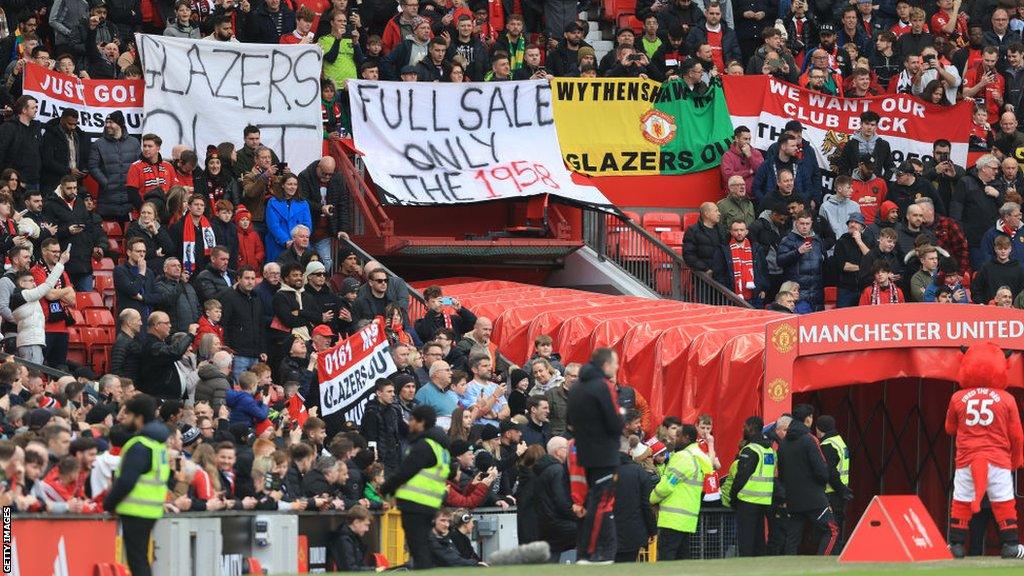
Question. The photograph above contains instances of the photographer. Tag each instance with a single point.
(984, 83)
(935, 66)
(632, 64)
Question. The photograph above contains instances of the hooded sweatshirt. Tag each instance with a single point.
(837, 210)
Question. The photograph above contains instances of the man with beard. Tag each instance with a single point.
(140, 488)
(223, 30)
(69, 213)
(467, 45)
(177, 296)
(20, 258)
(532, 68)
(295, 312)
(242, 318)
(109, 159)
(563, 61)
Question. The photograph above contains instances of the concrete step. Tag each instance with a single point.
(600, 46)
(594, 26)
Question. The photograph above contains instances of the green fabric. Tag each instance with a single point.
(651, 47)
(344, 66)
(839, 445)
(428, 486)
(146, 499)
(703, 126)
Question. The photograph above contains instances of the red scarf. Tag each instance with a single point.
(1011, 232)
(188, 241)
(876, 294)
(742, 267)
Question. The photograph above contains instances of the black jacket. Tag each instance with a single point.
(851, 157)
(20, 146)
(61, 215)
(124, 356)
(381, 424)
(555, 518)
(802, 470)
(54, 154)
(973, 209)
(260, 27)
(635, 521)
(703, 250)
(242, 321)
(904, 196)
(594, 419)
(337, 195)
(994, 274)
(161, 240)
(418, 456)
(227, 236)
(160, 378)
(314, 483)
(134, 463)
(128, 283)
(180, 301)
(462, 321)
(444, 553)
(210, 283)
(348, 551)
(285, 301)
(526, 506)
(867, 263)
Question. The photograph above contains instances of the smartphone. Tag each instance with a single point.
(282, 166)
(481, 475)
(807, 241)
(447, 300)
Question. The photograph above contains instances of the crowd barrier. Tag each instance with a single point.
(221, 543)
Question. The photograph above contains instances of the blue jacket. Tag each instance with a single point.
(808, 175)
(245, 409)
(988, 243)
(805, 269)
(281, 217)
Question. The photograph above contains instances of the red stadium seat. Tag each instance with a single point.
(104, 284)
(113, 229)
(98, 317)
(103, 263)
(831, 296)
(87, 300)
(658, 222)
(630, 21)
(77, 316)
(673, 240)
(690, 218)
(114, 246)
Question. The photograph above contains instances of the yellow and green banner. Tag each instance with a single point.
(634, 126)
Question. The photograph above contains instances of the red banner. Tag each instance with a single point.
(93, 99)
(910, 125)
(348, 371)
(60, 547)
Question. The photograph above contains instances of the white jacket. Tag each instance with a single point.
(30, 317)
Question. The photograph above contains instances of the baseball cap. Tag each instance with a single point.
(856, 217)
(189, 434)
(407, 69)
(906, 168)
(826, 28)
(349, 285)
(794, 126)
(323, 330)
(866, 159)
(460, 447)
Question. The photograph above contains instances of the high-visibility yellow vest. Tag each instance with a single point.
(759, 487)
(428, 486)
(680, 489)
(839, 445)
(146, 499)
(727, 484)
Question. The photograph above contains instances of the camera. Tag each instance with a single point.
(634, 58)
(929, 58)
(271, 482)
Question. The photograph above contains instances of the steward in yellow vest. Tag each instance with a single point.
(837, 458)
(678, 495)
(140, 488)
(420, 483)
(750, 486)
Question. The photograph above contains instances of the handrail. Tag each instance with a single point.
(363, 197)
(417, 303)
(647, 258)
(53, 372)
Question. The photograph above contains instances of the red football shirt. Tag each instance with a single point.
(986, 422)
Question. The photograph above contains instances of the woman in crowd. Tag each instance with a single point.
(158, 242)
(285, 210)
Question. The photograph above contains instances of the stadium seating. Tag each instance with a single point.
(86, 300)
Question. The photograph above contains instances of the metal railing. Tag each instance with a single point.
(417, 304)
(651, 261)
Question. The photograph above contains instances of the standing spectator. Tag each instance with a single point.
(339, 49)
(436, 316)
(400, 26)
(837, 208)
(850, 252)
(802, 254)
(557, 517)
(419, 483)
(866, 141)
(746, 265)
(247, 155)
(909, 187)
(150, 176)
(381, 424)
(724, 46)
(140, 488)
(213, 380)
(936, 67)
(563, 60)
(124, 356)
(160, 353)
(216, 277)
(975, 205)
(536, 432)
(258, 182)
(178, 298)
(594, 418)
(924, 277)
(1003, 270)
(884, 289)
(736, 206)
(110, 157)
(243, 322)
(635, 520)
(148, 229)
(56, 303)
(285, 210)
(786, 155)
(558, 400)
(134, 282)
(224, 231)
(869, 190)
(295, 313)
(489, 398)
(181, 26)
(64, 16)
(20, 139)
(298, 250)
(984, 84)
(1009, 225)
(324, 189)
(28, 313)
(267, 22)
(64, 149)
(703, 249)
(250, 246)
(741, 159)
(193, 236)
(804, 473)
(370, 304)
(216, 182)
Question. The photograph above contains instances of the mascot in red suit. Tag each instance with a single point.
(989, 446)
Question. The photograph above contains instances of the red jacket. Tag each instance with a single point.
(250, 246)
(207, 327)
(472, 496)
(56, 491)
(577, 477)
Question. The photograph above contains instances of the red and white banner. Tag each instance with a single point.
(93, 99)
(348, 371)
(764, 104)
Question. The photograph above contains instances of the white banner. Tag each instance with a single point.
(93, 99)
(202, 92)
(348, 371)
(433, 143)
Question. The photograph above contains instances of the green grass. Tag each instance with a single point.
(776, 566)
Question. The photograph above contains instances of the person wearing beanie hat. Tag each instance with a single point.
(586, 55)
(520, 383)
(110, 156)
(250, 246)
(37, 419)
(837, 458)
(850, 248)
(190, 435)
(98, 414)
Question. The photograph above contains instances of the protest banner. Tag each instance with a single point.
(432, 143)
(93, 99)
(348, 371)
(910, 125)
(634, 126)
(201, 92)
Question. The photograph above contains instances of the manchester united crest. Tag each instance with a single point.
(658, 127)
(778, 390)
(784, 338)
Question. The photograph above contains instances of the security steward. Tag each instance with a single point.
(678, 494)
(419, 483)
(140, 488)
(837, 457)
(749, 488)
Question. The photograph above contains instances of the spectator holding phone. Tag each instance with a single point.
(438, 316)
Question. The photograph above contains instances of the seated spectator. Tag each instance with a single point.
(209, 322)
(442, 550)
(155, 236)
(462, 525)
(883, 290)
(1001, 271)
(1003, 298)
(1009, 225)
(948, 277)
